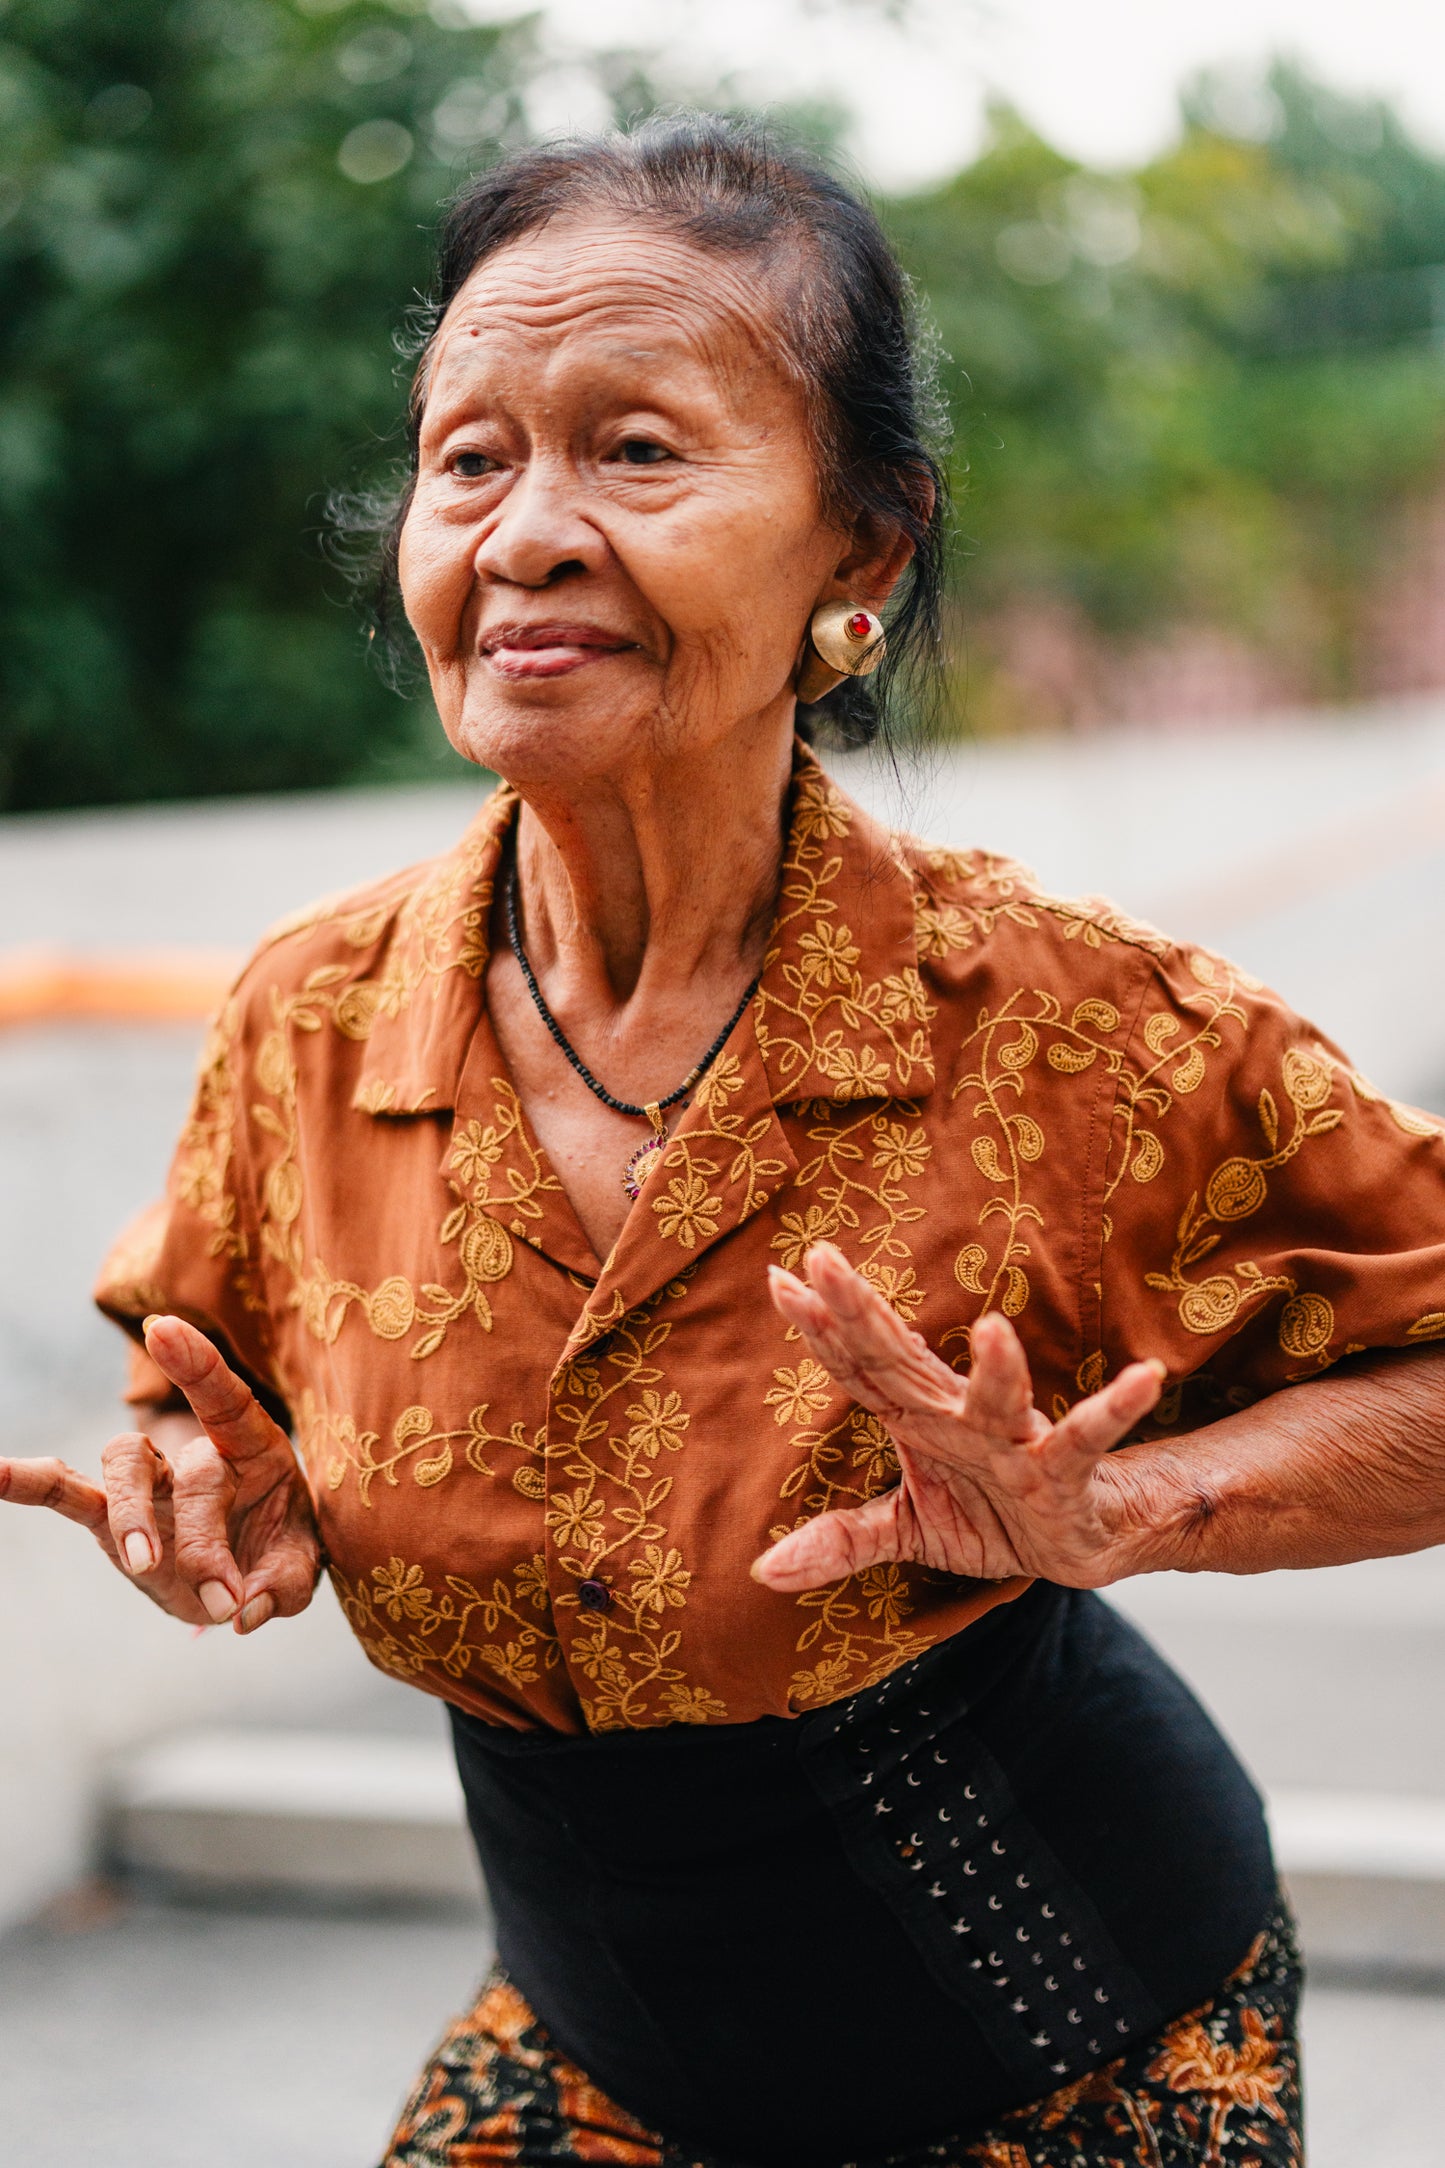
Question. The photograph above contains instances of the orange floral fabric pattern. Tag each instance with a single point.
(541, 1476)
(1218, 2088)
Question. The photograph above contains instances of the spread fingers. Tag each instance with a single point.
(282, 1585)
(232, 1415)
(135, 1476)
(1000, 1390)
(52, 1483)
(864, 1343)
(832, 1546)
(1097, 1424)
(204, 1489)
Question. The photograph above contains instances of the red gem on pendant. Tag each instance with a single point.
(859, 625)
(639, 1166)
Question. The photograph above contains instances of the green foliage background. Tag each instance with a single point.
(1197, 393)
(1201, 393)
(197, 310)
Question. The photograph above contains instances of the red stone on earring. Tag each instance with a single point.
(859, 625)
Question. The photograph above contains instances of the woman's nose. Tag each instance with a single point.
(540, 530)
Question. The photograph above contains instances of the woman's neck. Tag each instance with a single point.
(657, 881)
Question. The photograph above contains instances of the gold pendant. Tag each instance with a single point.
(639, 1166)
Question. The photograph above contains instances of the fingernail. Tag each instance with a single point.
(219, 1602)
(154, 1319)
(1160, 1370)
(256, 1612)
(139, 1556)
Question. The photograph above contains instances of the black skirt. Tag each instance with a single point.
(1006, 1866)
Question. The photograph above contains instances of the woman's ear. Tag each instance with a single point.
(879, 552)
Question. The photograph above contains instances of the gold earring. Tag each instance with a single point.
(844, 640)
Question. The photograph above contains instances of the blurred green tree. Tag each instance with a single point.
(1195, 394)
(1199, 394)
(212, 215)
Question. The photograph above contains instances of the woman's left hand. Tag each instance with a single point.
(989, 1487)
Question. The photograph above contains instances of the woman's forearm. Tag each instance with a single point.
(1344, 1467)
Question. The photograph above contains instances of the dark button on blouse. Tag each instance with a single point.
(594, 1595)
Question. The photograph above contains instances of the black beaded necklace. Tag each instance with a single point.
(638, 1167)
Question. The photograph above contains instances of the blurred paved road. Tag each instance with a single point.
(174, 2038)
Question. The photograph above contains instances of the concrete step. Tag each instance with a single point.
(355, 1815)
(1366, 1874)
(371, 1818)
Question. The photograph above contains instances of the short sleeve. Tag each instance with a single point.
(195, 1253)
(1266, 1210)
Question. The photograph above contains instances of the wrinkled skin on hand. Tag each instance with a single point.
(989, 1487)
(212, 1524)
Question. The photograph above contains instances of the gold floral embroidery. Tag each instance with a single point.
(814, 1006)
(799, 1393)
(894, 1148)
(408, 1629)
(610, 1519)
(484, 1247)
(994, 889)
(441, 923)
(1235, 1190)
(689, 1209)
(715, 1167)
(504, 1142)
(332, 1446)
(1306, 1328)
(1412, 1121)
(375, 1097)
(1057, 1024)
(659, 1579)
(200, 1174)
(683, 1704)
(851, 1656)
(857, 1629)
(1004, 1046)
(131, 1287)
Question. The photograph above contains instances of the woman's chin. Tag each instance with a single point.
(552, 731)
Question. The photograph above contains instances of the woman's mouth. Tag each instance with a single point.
(547, 650)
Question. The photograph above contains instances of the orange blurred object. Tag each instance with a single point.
(41, 985)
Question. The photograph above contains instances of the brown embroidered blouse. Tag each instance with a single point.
(541, 1481)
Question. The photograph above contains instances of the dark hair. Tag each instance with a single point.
(844, 327)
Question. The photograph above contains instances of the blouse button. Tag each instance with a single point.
(594, 1595)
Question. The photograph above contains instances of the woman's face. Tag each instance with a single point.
(616, 539)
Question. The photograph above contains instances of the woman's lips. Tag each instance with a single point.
(544, 651)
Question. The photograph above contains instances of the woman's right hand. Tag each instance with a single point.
(216, 1526)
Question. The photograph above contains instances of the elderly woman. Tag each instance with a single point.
(708, 1251)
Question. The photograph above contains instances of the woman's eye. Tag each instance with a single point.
(642, 452)
(471, 466)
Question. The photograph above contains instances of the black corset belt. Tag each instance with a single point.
(890, 1919)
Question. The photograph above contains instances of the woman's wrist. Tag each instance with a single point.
(1169, 1506)
(1347, 1466)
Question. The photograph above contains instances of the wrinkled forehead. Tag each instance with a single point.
(630, 291)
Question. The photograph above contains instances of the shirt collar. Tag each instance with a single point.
(840, 1012)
